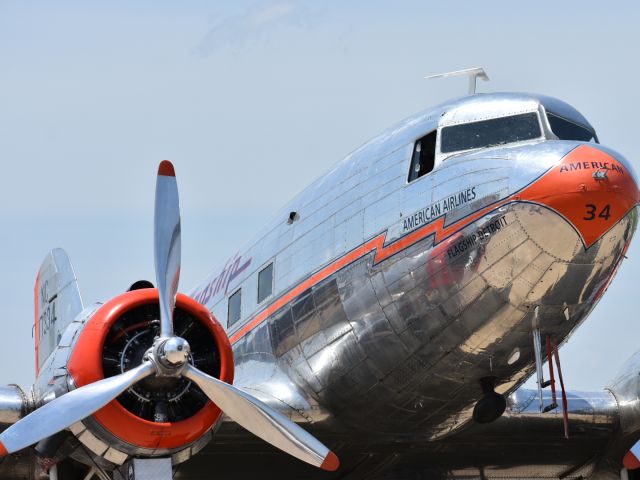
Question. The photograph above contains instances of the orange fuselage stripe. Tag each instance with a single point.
(382, 253)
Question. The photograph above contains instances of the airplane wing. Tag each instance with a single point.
(523, 443)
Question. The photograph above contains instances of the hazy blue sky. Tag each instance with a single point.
(252, 101)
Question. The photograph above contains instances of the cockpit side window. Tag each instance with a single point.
(490, 133)
(424, 154)
(567, 130)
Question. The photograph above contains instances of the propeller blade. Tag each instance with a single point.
(167, 244)
(68, 409)
(264, 422)
(631, 460)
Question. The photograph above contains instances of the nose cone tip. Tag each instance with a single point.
(589, 187)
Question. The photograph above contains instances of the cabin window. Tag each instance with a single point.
(424, 154)
(567, 130)
(265, 283)
(490, 133)
(233, 314)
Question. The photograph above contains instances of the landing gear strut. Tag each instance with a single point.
(492, 405)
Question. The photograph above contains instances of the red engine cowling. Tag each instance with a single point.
(158, 414)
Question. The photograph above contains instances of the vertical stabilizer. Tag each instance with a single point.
(57, 302)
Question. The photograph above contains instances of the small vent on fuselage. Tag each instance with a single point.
(293, 216)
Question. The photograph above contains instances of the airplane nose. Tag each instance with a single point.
(592, 188)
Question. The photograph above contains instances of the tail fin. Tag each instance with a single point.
(57, 302)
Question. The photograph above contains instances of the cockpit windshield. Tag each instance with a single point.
(490, 133)
(567, 130)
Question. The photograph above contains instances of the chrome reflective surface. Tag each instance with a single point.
(406, 340)
(14, 403)
(175, 351)
(404, 343)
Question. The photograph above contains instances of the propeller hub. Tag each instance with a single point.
(175, 351)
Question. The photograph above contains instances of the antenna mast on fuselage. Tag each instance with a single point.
(472, 73)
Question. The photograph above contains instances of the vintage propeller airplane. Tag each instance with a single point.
(392, 310)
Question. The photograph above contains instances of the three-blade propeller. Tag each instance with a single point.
(170, 353)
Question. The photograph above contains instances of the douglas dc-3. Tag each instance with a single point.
(379, 327)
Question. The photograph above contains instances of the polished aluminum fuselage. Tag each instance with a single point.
(377, 328)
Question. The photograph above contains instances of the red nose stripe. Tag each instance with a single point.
(630, 461)
(4, 453)
(592, 205)
(331, 462)
(166, 169)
